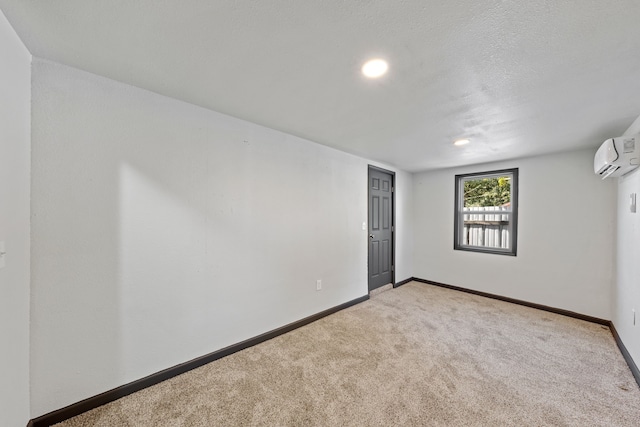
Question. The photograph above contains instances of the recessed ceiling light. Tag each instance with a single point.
(375, 68)
(461, 142)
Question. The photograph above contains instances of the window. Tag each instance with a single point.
(486, 216)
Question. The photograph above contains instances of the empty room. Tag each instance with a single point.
(330, 213)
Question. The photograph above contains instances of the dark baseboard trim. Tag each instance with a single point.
(122, 391)
(519, 302)
(404, 282)
(625, 353)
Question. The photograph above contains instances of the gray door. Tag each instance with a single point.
(380, 228)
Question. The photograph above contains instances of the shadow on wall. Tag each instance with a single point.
(163, 232)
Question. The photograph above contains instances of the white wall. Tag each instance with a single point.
(565, 235)
(626, 292)
(164, 231)
(15, 98)
(627, 289)
(404, 225)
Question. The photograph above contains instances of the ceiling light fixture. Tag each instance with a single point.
(461, 142)
(375, 68)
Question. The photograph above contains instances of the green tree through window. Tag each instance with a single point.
(487, 192)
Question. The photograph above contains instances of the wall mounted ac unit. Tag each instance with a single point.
(617, 156)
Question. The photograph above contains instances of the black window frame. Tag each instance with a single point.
(513, 214)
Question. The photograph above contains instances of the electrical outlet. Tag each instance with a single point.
(318, 285)
(3, 253)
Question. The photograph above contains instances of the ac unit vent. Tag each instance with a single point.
(607, 170)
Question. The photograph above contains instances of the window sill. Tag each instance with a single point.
(495, 251)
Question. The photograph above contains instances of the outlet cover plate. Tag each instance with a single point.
(3, 254)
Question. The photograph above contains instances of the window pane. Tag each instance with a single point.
(482, 195)
(488, 192)
(487, 198)
(491, 230)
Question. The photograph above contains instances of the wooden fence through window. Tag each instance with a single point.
(486, 227)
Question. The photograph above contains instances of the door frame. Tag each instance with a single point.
(393, 222)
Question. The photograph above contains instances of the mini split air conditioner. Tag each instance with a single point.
(617, 156)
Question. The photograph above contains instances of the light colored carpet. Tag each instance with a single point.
(416, 355)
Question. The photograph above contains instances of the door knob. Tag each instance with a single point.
(371, 236)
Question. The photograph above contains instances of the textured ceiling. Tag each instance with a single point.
(518, 78)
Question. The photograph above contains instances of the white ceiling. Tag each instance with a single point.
(518, 78)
